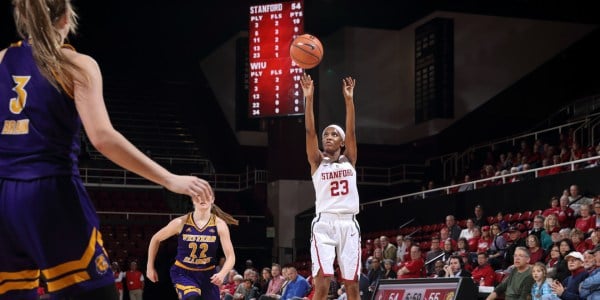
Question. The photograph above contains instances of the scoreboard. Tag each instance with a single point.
(426, 289)
(274, 81)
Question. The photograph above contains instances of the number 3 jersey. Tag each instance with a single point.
(335, 187)
(197, 247)
(40, 125)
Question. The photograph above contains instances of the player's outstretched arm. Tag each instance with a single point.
(312, 142)
(350, 152)
(89, 101)
(171, 229)
(227, 246)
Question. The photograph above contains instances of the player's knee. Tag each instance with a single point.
(350, 283)
(323, 288)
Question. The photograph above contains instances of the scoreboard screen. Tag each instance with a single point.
(426, 289)
(274, 81)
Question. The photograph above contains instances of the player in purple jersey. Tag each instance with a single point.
(199, 233)
(334, 230)
(48, 225)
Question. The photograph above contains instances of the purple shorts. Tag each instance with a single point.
(49, 230)
(189, 283)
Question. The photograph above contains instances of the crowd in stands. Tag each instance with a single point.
(487, 248)
(552, 252)
(503, 161)
(287, 282)
(508, 251)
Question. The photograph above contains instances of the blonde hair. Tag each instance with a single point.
(229, 219)
(547, 225)
(542, 267)
(35, 20)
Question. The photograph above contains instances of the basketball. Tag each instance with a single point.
(306, 51)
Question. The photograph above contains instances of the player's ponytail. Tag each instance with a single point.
(229, 219)
(35, 21)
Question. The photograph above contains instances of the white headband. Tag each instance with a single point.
(337, 128)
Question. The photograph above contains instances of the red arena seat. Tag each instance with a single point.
(526, 215)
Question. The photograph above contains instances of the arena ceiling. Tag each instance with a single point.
(157, 37)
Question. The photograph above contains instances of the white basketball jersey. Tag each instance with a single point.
(335, 187)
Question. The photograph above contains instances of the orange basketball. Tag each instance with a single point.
(306, 51)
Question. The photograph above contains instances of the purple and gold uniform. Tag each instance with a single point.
(196, 260)
(48, 225)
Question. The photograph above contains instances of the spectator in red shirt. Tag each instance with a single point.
(551, 223)
(414, 267)
(445, 235)
(544, 172)
(557, 169)
(483, 270)
(566, 215)
(553, 256)
(554, 207)
(135, 282)
(483, 245)
(578, 241)
(487, 172)
(534, 246)
(118, 275)
(462, 246)
(467, 261)
(473, 242)
(576, 152)
(586, 223)
(229, 288)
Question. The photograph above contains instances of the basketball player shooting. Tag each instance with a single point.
(335, 231)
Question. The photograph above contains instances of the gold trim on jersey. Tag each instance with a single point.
(29, 279)
(18, 285)
(68, 281)
(186, 289)
(212, 221)
(81, 264)
(21, 280)
(181, 265)
(60, 82)
(16, 44)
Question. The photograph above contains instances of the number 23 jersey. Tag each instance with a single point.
(335, 187)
